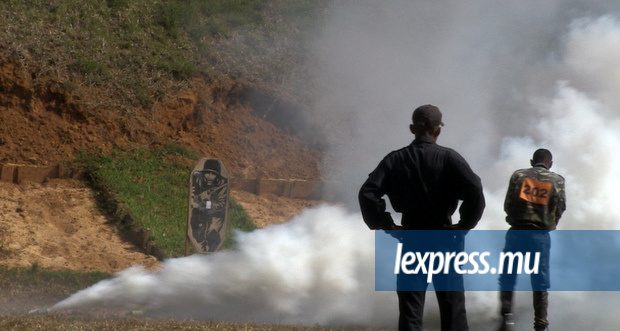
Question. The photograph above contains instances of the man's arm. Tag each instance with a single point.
(372, 203)
(512, 193)
(470, 192)
(561, 201)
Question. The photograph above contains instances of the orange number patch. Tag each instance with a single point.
(535, 191)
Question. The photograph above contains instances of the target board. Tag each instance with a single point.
(208, 206)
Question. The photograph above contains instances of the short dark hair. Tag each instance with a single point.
(542, 156)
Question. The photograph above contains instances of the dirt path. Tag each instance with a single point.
(270, 209)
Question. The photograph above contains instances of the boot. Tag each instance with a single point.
(508, 323)
(541, 302)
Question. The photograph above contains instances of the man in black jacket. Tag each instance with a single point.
(424, 182)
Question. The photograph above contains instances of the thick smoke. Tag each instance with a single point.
(510, 77)
(316, 269)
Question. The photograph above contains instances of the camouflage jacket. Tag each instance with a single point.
(535, 199)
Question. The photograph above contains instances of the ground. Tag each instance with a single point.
(57, 225)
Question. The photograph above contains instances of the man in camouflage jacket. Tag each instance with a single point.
(535, 200)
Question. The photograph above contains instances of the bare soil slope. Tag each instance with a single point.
(57, 225)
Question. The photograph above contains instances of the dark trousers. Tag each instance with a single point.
(451, 310)
(540, 302)
(528, 241)
(451, 301)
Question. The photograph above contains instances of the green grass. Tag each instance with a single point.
(63, 282)
(136, 49)
(153, 188)
(75, 323)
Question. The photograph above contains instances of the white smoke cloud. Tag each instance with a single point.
(317, 268)
(510, 77)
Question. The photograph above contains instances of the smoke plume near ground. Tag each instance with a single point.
(510, 77)
(317, 268)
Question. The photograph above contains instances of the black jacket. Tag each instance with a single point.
(424, 182)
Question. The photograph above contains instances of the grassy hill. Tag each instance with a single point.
(140, 52)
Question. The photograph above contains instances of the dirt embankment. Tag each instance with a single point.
(44, 122)
(57, 225)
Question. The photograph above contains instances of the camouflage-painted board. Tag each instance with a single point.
(208, 205)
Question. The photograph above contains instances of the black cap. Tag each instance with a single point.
(427, 115)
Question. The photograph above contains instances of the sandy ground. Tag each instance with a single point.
(270, 209)
(57, 225)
